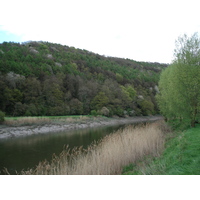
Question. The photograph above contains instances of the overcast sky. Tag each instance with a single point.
(142, 30)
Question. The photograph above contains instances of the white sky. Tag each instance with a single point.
(142, 30)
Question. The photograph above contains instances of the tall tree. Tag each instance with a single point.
(179, 84)
(99, 101)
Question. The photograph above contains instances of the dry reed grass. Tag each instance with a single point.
(27, 121)
(109, 156)
(74, 120)
(21, 121)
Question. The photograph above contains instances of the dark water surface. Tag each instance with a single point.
(26, 152)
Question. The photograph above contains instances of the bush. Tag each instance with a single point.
(147, 107)
(104, 111)
(31, 110)
(76, 107)
(2, 115)
(94, 113)
(120, 112)
(19, 109)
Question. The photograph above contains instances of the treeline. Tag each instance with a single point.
(41, 78)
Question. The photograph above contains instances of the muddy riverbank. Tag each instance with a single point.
(18, 131)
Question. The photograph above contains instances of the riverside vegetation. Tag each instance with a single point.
(46, 79)
(24, 121)
(109, 155)
(179, 84)
(123, 88)
(180, 157)
(179, 102)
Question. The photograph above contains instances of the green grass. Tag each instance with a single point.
(40, 120)
(180, 157)
(48, 117)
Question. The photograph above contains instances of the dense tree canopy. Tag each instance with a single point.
(41, 78)
(179, 84)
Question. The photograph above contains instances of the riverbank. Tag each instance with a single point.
(57, 126)
(180, 156)
(107, 156)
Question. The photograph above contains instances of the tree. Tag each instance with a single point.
(41, 78)
(19, 109)
(32, 91)
(52, 92)
(104, 111)
(2, 115)
(127, 95)
(99, 101)
(11, 96)
(147, 107)
(76, 107)
(188, 50)
(179, 84)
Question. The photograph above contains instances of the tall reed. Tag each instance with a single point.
(21, 121)
(108, 156)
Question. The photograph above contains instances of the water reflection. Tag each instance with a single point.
(26, 152)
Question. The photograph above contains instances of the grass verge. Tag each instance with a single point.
(24, 121)
(180, 157)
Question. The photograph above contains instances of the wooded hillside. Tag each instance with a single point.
(41, 78)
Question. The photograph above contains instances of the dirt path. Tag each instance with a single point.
(9, 132)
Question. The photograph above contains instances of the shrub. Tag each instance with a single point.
(120, 112)
(2, 115)
(147, 107)
(104, 111)
(19, 109)
(94, 113)
(76, 107)
(31, 110)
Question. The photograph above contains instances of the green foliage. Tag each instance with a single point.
(2, 116)
(94, 113)
(187, 49)
(179, 84)
(147, 107)
(119, 111)
(19, 109)
(119, 77)
(76, 107)
(99, 101)
(131, 92)
(181, 157)
(105, 112)
(31, 110)
(41, 78)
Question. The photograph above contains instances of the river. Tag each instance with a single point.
(26, 152)
(23, 152)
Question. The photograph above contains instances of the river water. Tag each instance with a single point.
(26, 152)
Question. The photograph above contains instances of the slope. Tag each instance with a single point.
(42, 78)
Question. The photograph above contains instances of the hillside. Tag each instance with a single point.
(41, 78)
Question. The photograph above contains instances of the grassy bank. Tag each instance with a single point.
(23, 121)
(109, 155)
(181, 157)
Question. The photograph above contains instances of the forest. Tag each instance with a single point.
(47, 79)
